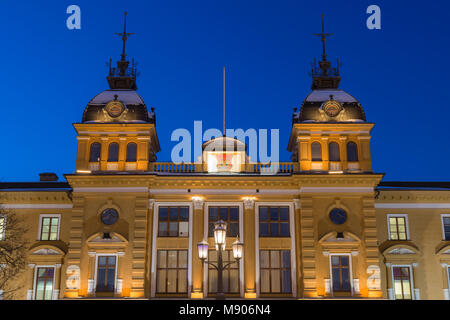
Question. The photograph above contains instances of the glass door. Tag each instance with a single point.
(44, 283)
(106, 275)
(340, 273)
(402, 283)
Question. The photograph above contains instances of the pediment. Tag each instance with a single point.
(401, 251)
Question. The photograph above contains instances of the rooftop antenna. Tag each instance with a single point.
(224, 101)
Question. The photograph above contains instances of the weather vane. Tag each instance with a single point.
(323, 36)
(124, 36)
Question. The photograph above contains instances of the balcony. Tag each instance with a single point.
(261, 168)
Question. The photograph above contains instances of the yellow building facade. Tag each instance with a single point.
(321, 226)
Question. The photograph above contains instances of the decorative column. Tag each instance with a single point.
(298, 246)
(416, 290)
(325, 153)
(249, 248)
(119, 280)
(138, 248)
(91, 273)
(389, 284)
(30, 291)
(57, 287)
(304, 153)
(308, 249)
(104, 154)
(122, 153)
(365, 160)
(142, 153)
(197, 236)
(343, 152)
(445, 278)
(82, 153)
(148, 274)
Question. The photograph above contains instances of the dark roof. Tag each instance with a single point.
(38, 186)
(414, 185)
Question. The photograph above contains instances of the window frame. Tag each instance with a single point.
(444, 215)
(234, 266)
(135, 154)
(278, 222)
(109, 151)
(320, 149)
(334, 143)
(177, 292)
(3, 231)
(281, 269)
(356, 151)
(350, 262)
(96, 270)
(41, 218)
(411, 280)
(36, 267)
(398, 215)
(227, 221)
(178, 222)
(99, 151)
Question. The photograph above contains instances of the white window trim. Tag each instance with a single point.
(156, 206)
(40, 225)
(292, 236)
(398, 215)
(444, 215)
(350, 262)
(411, 279)
(115, 271)
(35, 278)
(3, 236)
(240, 205)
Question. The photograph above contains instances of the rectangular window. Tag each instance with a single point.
(44, 283)
(171, 271)
(397, 228)
(340, 273)
(2, 227)
(274, 222)
(173, 222)
(230, 276)
(49, 228)
(275, 271)
(402, 282)
(106, 273)
(446, 227)
(228, 214)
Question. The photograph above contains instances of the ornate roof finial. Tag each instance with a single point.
(323, 36)
(124, 76)
(124, 36)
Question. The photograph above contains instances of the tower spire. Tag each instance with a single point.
(124, 36)
(324, 75)
(124, 76)
(323, 37)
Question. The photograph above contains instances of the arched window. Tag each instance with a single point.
(333, 150)
(131, 152)
(113, 152)
(352, 151)
(94, 153)
(316, 152)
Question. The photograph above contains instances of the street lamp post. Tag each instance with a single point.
(220, 234)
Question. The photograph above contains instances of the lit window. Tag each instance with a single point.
(333, 150)
(446, 227)
(397, 228)
(316, 152)
(352, 152)
(113, 152)
(173, 222)
(131, 152)
(44, 283)
(340, 273)
(94, 154)
(274, 221)
(49, 228)
(228, 214)
(171, 271)
(2, 227)
(402, 282)
(230, 277)
(275, 271)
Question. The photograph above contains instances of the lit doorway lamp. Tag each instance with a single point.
(220, 235)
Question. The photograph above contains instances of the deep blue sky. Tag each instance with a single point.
(399, 73)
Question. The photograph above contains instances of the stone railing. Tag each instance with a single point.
(274, 168)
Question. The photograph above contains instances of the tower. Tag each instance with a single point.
(330, 132)
(117, 132)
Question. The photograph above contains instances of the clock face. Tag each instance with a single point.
(338, 216)
(332, 108)
(114, 108)
(109, 216)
